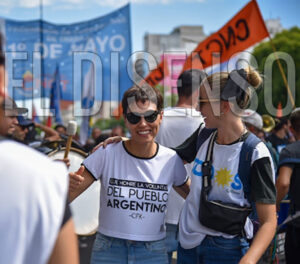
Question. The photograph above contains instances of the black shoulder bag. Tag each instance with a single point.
(227, 218)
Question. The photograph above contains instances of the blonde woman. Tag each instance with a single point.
(222, 99)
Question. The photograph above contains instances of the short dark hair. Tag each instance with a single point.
(295, 120)
(279, 123)
(189, 81)
(142, 93)
(60, 125)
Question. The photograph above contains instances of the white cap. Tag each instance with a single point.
(253, 118)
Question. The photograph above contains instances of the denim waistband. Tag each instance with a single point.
(121, 241)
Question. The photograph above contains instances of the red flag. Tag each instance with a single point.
(245, 29)
(117, 113)
(49, 121)
(158, 74)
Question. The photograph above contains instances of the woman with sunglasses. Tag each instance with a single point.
(136, 176)
(223, 97)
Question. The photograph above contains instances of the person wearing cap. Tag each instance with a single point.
(288, 181)
(21, 129)
(254, 123)
(8, 116)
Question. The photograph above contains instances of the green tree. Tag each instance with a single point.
(104, 124)
(171, 99)
(287, 41)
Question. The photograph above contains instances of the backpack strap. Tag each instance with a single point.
(203, 135)
(245, 164)
(207, 165)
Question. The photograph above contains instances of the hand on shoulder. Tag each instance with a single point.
(108, 141)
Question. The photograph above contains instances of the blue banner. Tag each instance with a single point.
(107, 38)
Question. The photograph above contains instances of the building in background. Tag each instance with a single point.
(182, 38)
(274, 26)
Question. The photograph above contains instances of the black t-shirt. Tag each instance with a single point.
(188, 149)
(277, 143)
(290, 157)
(262, 184)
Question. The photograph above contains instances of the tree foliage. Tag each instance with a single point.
(287, 41)
(104, 124)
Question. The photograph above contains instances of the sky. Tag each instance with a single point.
(152, 16)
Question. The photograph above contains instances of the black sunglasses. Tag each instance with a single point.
(134, 118)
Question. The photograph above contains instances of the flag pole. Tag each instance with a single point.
(41, 54)
(282, 73)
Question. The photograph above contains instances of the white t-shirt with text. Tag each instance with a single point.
(134, 191)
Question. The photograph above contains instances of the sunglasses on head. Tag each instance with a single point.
(134, 118)
(203, 101)
(208, 100)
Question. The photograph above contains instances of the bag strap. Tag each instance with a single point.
(203, 135)
(245, 163)
(244, 169)
(207, 165)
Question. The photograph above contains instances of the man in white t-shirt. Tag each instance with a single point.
(35, 223)
(178, 124)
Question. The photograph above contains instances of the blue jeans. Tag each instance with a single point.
(214, 250)
(121, 251)
(171, 240)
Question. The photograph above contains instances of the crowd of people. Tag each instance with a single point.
(203, 179)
